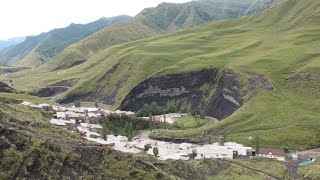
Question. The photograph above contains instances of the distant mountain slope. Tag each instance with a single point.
(163, 19)
(11, 42)
(169, 17)
(38, 49)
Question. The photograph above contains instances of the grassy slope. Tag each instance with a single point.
(165, 18)
(188, 122)
(310, 171)
(279, 44)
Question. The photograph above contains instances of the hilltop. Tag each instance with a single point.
(36, 50)
(164, 19)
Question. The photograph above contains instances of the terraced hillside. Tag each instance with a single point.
(265, 65)
(152, 22)
(36, 50)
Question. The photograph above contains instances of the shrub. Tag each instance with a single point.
(155, 151)
(77, 103)
(147, 147)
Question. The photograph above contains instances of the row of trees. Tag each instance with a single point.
(128, 130)
(155, 109)
(77, 103)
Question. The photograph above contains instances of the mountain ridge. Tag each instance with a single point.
(36, 50)
(153, 22)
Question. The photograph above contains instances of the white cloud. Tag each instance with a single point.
(27, 17)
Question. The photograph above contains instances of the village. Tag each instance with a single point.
(86, 121)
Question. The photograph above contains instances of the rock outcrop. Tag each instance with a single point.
(213, 95)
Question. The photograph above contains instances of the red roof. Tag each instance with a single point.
(275, 152)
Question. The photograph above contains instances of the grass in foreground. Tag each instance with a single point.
(269, 166)
(310, 171)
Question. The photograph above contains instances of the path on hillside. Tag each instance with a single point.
(264, 174)
(293, 166)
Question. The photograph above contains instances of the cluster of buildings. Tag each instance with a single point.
(86, 121)
(83, 120)
(168, 118)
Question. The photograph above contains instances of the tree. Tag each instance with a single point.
(96, 104)
(196, 119)
(155, 151)
(105, 130)
(286, 150)
(126, 129)
(147, 147)
(257, 144)
(130, 131)
(210, 140)
(164, 120)
(77, 103)
(202, 116)
(150, 121)
(154, 123)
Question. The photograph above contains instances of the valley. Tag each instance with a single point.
(207, 89)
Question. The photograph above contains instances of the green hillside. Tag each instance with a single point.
(151, 22)
(277, 48)
(36, 50)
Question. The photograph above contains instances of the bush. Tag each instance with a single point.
(155, 151)
(77, 103)
(147, 147)
(286, 150)
(105, 130)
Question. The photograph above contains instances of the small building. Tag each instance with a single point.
(295, 157)
(61, 115)
(157, 119)
(272, 153)
(76, 116)
(93, 110)
(106, 112)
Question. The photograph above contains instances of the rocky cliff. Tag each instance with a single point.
(213, 94)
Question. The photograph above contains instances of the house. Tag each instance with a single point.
(61, 115)
(106, 112)
(75, 116)
(272, 153)
(157, 119)
(93, 110)
(128, 113)
(295, 157)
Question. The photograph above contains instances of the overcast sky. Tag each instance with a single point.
(30, 17)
